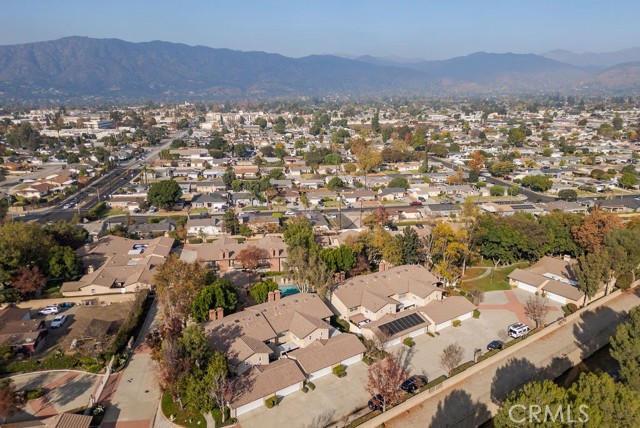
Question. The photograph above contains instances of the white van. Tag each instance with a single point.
(518, 330)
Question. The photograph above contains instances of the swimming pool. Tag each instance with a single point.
(288, 290)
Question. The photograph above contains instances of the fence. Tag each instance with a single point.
(93, 399)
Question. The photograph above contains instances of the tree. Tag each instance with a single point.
(221, 293)
(195, 346)
(537, 183)
(251, 257)
(513, 190)
(368, 160)
(608, 403)
(67, 234)
(411, 247)
(340, 259)
(28, 280)
(625, 348)
(500, 169)
(496, 191)
(375, 122)
(568, 195)
(63, 263)
(219, 384)
(451, 357)
(558, 225)
(591, 271)
(228, 177)
(628, 180)
(231, 222)
(298, 233)
(23, 244)
(10, 404)
(536, 309)
(517, 136)
(477, 161)
(399, 182)
(164, 194)
(591, 233)
(385, 378)
(514, 411)
(617, 123)
(335, 183)
(260, 291)
(177, 286)
(622, 245)
(308, 271)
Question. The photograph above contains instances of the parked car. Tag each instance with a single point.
(66, 207)
(416, 203)
(493, 345)
(49, 310)
(58, 321)
(376, 403)
(421, 199)
(290, 213)
(414, 383)
(518, 330)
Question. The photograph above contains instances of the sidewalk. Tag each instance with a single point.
(471, 399)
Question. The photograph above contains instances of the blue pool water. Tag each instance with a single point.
(288, 290)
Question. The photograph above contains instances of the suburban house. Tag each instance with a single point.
(221, 254)
(118, 265)
(153, 230)
(204, 226)
(404, 301)
(18, 331)
(291, 333)
(212, 201)
(553, 277)
(391, 193)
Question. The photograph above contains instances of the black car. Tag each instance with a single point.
(496, 344)
(376, 403)
(413, 383)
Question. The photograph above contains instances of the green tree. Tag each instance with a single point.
(622, 245)
(625, 348)
(340, 259)
(513, 190)
(195, 346)
(335, 183)
(221, 293)
(228, 177)
(496, 191)
(591, 271)
(164, 194)
(231, 222)
(500, 169)
(260, 291)
(67, 234)
(568, 195)
(63, 263)
(537, 183)
(617, 123)
(308, 271)
(411, 246)
(23, 244)
(628, 180)
(517, 136)
(375, 122)
(299, 233)
(399, 182)
(514, 411)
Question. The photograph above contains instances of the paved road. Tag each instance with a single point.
(133, 395)
(471, 401)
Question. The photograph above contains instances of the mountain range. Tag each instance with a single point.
(85, 69)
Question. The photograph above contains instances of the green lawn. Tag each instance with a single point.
(497, 280)
(115, 211)
(182, 417)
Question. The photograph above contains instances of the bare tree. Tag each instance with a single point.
(9, 402)
(477, 296)
(503, 335)
(451, 357)
(221, 391)
(385, 378)
(536, 309)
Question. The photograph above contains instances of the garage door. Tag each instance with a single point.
(526, 287)
(443, 325)
(320, 373)
(465, 316)
(417, 333)
(289, 390)
(352, 360)
(556, 298)
(393, 342)
(249, 407)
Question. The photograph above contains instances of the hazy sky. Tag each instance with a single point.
(427, 29)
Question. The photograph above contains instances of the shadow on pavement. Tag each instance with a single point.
(456, 404)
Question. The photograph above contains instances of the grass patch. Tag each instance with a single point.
(198, 210)
(488, 354)
(363, 419)
(462, 367)
(115, 211)
(497, 280)
(181, 416)
(256, 208)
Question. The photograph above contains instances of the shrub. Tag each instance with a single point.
(431, 334)
(434, 382)
(32, 394)
(195, 240)
(368, 360)
(271, 401)
(488, 354)
(457, 323)
(461, 368)
(476, 313)
(408, 341)
(340, 370)
(305, 389)
(572, 307)
(311, 385)
(340, 323)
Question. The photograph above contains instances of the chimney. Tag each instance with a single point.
(220, 313)
(274, 252)
(270, 296)
(213, 315)
(566, 258)
(224, 254)
(90, 269)
(276, 294)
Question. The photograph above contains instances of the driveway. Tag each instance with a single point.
(65, 390)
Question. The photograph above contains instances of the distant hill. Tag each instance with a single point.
(622, 77)
(86, 69)
(594, 61)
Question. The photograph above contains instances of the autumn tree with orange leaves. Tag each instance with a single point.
(591, 233)
(477, 161)
(251, 256)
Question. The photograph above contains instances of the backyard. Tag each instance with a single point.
(486, 278)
